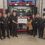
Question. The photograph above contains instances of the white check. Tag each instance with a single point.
(22, 20)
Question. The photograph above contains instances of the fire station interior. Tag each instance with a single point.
(24, 10)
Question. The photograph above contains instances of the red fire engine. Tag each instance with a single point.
(24, 12)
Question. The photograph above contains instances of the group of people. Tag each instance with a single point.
(8, 24)
(38, 24)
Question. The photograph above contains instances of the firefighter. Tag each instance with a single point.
(5, 26)
(8, 15)
(8, 24)
(0, 25)
(3, 30)
(35, 24)
(41, 27)
(14, 24)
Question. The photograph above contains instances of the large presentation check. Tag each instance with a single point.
(22, 20)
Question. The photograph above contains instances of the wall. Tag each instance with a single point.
(43, 6)
(3, 5)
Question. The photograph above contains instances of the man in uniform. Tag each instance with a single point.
(38, 25)
(10, 24)
(34, 24)
(41, 27)
(0, 25)
(14, 24)
(8, 16)
(5, 26)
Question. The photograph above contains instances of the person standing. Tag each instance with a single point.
(10, 24)
(8, 31)
(14, 24)
(5, 26)
(0, 25)
(34, 24)
(41, 27)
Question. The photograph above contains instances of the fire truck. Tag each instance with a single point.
(24, 13)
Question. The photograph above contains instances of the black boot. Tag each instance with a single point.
(0, 38)
(3, 37)
(8, 36)
(16, 35)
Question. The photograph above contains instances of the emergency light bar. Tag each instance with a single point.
(16, 4)
(20, 3)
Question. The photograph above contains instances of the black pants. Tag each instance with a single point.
(14, 28)
(3, 31)
(0, 33)
(34, 30)
(7, 30)
(0, 30)
(41, 31)
(10, 28)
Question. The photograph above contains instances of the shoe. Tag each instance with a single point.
(10, 34)
(13, 36)
(8, 37)
(33, 35)
(41, 37)
(38, 37)
(1, 38)
(16, 35)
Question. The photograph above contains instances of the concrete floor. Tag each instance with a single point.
(23, 39)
